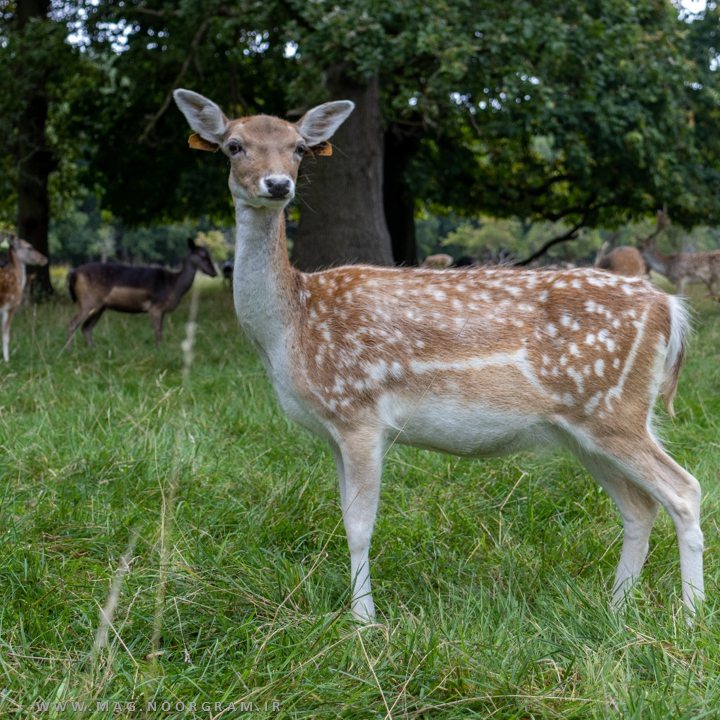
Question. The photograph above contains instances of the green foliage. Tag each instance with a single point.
(38, 54)
(596, 112)
(491, 577)
(588, 110)
(217, 243)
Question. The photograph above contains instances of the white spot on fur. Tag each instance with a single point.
(592, 403)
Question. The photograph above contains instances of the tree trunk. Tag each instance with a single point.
(340, 197)
(34, 160)
(398, 200)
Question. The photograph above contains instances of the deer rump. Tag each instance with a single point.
(125, 288)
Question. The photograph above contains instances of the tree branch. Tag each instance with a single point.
(191, 56)
(569, 235)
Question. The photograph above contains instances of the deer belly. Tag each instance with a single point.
(449, 425)
(128, 299)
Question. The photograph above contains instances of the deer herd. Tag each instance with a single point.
(474, 361)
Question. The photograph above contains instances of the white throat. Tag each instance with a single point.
(261, 302)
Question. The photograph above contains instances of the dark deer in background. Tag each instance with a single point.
(133, 289)
(12, 284)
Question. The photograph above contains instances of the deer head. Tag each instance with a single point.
(264, 151)
(26, 253)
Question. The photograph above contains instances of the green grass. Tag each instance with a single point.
(491, 578)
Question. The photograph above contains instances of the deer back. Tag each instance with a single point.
(575, 345)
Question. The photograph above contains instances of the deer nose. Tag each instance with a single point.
(278, 186)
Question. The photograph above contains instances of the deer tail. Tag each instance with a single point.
(679, 331)
(71, 279)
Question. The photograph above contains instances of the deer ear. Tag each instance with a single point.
(319, 124)
(191, 243)
(203, 116)
(195, 142)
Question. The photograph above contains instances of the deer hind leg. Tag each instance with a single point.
(79, 319)
(649, 467)
(360, 470)
(637, 510)
(89, 324)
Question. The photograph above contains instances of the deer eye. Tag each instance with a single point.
(234, 147)
(301, 149)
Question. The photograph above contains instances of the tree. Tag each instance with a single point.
(589, 113)
(342, 219)
(40, 74)
(28, 144)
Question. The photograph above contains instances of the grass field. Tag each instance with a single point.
(491, 578)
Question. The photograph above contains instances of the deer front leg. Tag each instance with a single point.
(360, 469)
(7, 317)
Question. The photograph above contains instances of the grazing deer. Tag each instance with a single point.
(478, 361)
(439, 261)
(684, 268)
(133, 289)
(12, 283)
(622, 260)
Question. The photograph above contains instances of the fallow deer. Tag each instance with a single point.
(12, 283)
(622, 260)
(478, 361)
(133, 289)
(439, 261)
(684, 268)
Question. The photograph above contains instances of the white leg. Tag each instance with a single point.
(340, 467)
(362, 463)
(638, 511)
(651, 468)
(7, 315)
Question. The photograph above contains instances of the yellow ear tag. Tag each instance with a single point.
(323, 149)
(198, 143)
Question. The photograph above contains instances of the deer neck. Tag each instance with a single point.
(657, 261)
(18, 270)
(263, 279)
(182, 281)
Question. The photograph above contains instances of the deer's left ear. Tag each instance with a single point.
(191, 243)
(203, 116)
(319, 124)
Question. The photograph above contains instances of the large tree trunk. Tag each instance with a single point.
(398, 199)
(34, 159)
(341, 205)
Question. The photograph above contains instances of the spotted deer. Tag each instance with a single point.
(476, 361)
(132, 289)
(12, 284)
(623, 260)
(684, 268)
